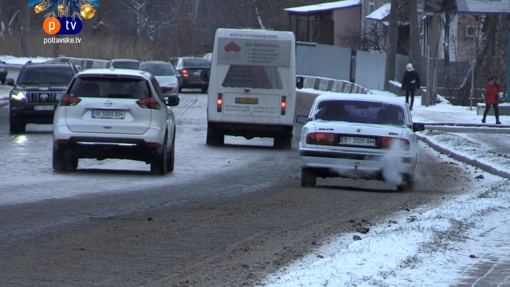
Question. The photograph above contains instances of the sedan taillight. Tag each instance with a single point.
(149, 103)
(394, 143)
(69, 100)
(320, 138)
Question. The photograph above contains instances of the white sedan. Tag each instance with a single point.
(361, 136)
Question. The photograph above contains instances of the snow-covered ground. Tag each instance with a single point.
(426, 247)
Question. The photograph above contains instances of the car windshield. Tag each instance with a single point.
(158, 69)
(126, 65)
(259, 77)
(198, 62)
(114, 87)
(360, 112)
(45, 75)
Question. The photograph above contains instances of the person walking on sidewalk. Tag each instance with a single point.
(410, 82)
(492, 88)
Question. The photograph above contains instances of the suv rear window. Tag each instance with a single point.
(158, 69)
(196, 63)
(126, 65)
(360, 112)
(104, 87)
(45, 75)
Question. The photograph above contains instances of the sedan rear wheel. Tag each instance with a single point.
(308, 177)
(407, 185)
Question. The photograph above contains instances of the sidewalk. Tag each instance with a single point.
(491, 267)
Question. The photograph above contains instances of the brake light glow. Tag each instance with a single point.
(219, 103)
(283, 105)
(153, 145)
(320, 138)
(69, 100)
(149, 103)
(185, 73)
(389, 143)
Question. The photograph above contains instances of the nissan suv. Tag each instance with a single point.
(114, 113)
(36, 93)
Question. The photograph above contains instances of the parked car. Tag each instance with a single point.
(193, 72)
(166, 77)
(124, 64)
(359, 136)
(3, 72)
(114, 114)
(36, 93)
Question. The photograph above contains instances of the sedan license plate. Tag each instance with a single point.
(357, 141)
(252, 101)
(44, 108)
(103, 114)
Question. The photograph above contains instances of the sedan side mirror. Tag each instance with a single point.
(10, 81)
(417, 127)
(300, 82)
(302, 119)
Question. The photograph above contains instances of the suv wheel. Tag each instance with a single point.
(170, 160)
(62, 162)
(158, 165)
(16, 127)
(308, 177)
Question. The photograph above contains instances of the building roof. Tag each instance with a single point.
(323, 7)
(380, 13)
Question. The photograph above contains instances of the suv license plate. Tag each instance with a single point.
(44, 108)
(357, 141)
(102, 114)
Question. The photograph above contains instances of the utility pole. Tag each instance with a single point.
(414, 45)
(433, 49)
(391, 54)
(471, 96)
(25, 31)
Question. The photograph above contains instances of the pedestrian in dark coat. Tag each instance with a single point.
(492, 89)
(410, 82)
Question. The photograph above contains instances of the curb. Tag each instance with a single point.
(464, 159)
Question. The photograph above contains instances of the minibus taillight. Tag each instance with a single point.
(219, 102)
(283, 105)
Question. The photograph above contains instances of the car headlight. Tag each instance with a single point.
(18, 95)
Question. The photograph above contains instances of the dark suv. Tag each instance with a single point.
(36, 93)
(193, 73)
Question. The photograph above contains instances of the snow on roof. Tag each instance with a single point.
(323, 7)
(380, 13)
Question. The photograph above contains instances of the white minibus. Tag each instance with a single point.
(252, 86)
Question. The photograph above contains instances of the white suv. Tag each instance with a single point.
(114, 113)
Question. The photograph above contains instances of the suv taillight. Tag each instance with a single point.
(69, 100)
(149, 103)
(185, 73)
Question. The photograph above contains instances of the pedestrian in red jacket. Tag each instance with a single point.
(492, 88)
